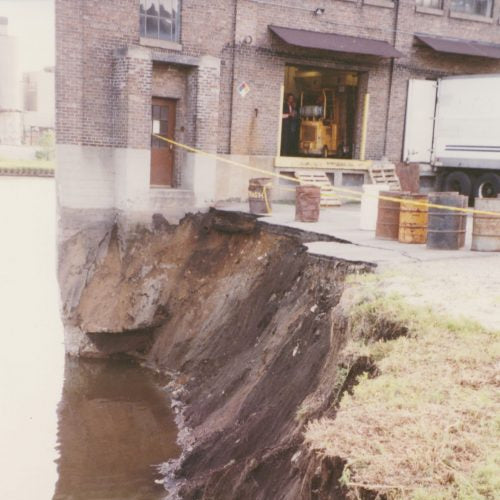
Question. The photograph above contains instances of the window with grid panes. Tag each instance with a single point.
(433, 4)
(160, 19)
(159, 126)
(476, 7)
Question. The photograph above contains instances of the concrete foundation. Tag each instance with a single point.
(232, 180)
(199, 174)
(115, 181)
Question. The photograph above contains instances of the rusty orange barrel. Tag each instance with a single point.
(388, 216)
(486, 228)
(259, 195)
(413, 219)
(307, 202)
(446, 228)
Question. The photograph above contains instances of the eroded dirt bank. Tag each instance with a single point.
(249, 325)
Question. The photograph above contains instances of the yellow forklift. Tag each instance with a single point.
(318, 130)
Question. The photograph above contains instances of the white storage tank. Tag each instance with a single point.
(10, 88)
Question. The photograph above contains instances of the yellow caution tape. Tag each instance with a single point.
(262, 196)
(334, 188)
(266, 201)
(343, 196)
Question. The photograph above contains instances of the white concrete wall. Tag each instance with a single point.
(131, 189)
(91, 177)
(232, 181)
(116, 180)
(199, 176)
(85, 177)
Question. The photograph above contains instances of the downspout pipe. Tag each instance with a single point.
(391, 74)
(233, 63)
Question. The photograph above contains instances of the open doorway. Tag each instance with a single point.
(319, 112)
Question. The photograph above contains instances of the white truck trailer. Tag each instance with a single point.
(453, 124)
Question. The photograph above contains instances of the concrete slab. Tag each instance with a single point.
(342, 223)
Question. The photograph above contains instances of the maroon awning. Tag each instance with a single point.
(334, 42)
(459, 46)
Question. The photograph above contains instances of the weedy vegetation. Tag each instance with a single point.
(428, 426)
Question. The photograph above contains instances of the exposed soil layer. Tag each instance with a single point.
(251, 327)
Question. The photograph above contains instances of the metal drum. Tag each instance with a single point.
(388, 216)
(259, 195)
(446, 228)
(486, 228)
(307, 202)
(413, 219)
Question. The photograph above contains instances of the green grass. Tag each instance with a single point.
(428, 426)
(43, 164)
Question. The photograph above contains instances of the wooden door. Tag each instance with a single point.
(162, 153)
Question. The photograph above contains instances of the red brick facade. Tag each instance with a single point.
(106, 75)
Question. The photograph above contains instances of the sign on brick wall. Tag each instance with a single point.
(243, 89)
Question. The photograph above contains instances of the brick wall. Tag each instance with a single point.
(130, 104)
(69, 73)
(262, 63)
(89, 76)
(207, 78)
(87, 34)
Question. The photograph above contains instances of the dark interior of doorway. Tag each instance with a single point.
(326, 101)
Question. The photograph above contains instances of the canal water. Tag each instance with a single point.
(69, 429)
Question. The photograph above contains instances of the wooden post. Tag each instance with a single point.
(366, 112)
(280, 122)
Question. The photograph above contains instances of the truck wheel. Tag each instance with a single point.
(439, 184)
(458, 181)
(487, 186)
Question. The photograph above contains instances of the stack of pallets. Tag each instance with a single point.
(328, 196)
(385, 174)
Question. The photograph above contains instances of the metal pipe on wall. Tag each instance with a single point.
(364, 126)
(280, 122)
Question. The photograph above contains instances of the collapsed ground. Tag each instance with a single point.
(294, 376)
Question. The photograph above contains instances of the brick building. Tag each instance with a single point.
(212, 75)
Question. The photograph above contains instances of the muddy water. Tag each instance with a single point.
(74, 430)
(114, 426)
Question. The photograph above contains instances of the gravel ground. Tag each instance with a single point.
(467, 288)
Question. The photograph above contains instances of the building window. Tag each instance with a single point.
(160, 19)
(431, 4)
(475, 7)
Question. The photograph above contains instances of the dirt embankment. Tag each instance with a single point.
(251, 328)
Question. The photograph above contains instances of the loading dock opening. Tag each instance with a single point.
(326, 110)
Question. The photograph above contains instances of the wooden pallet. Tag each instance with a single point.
(328, 196)
(385, 174)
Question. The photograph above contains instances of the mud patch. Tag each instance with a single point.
(248, 324)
